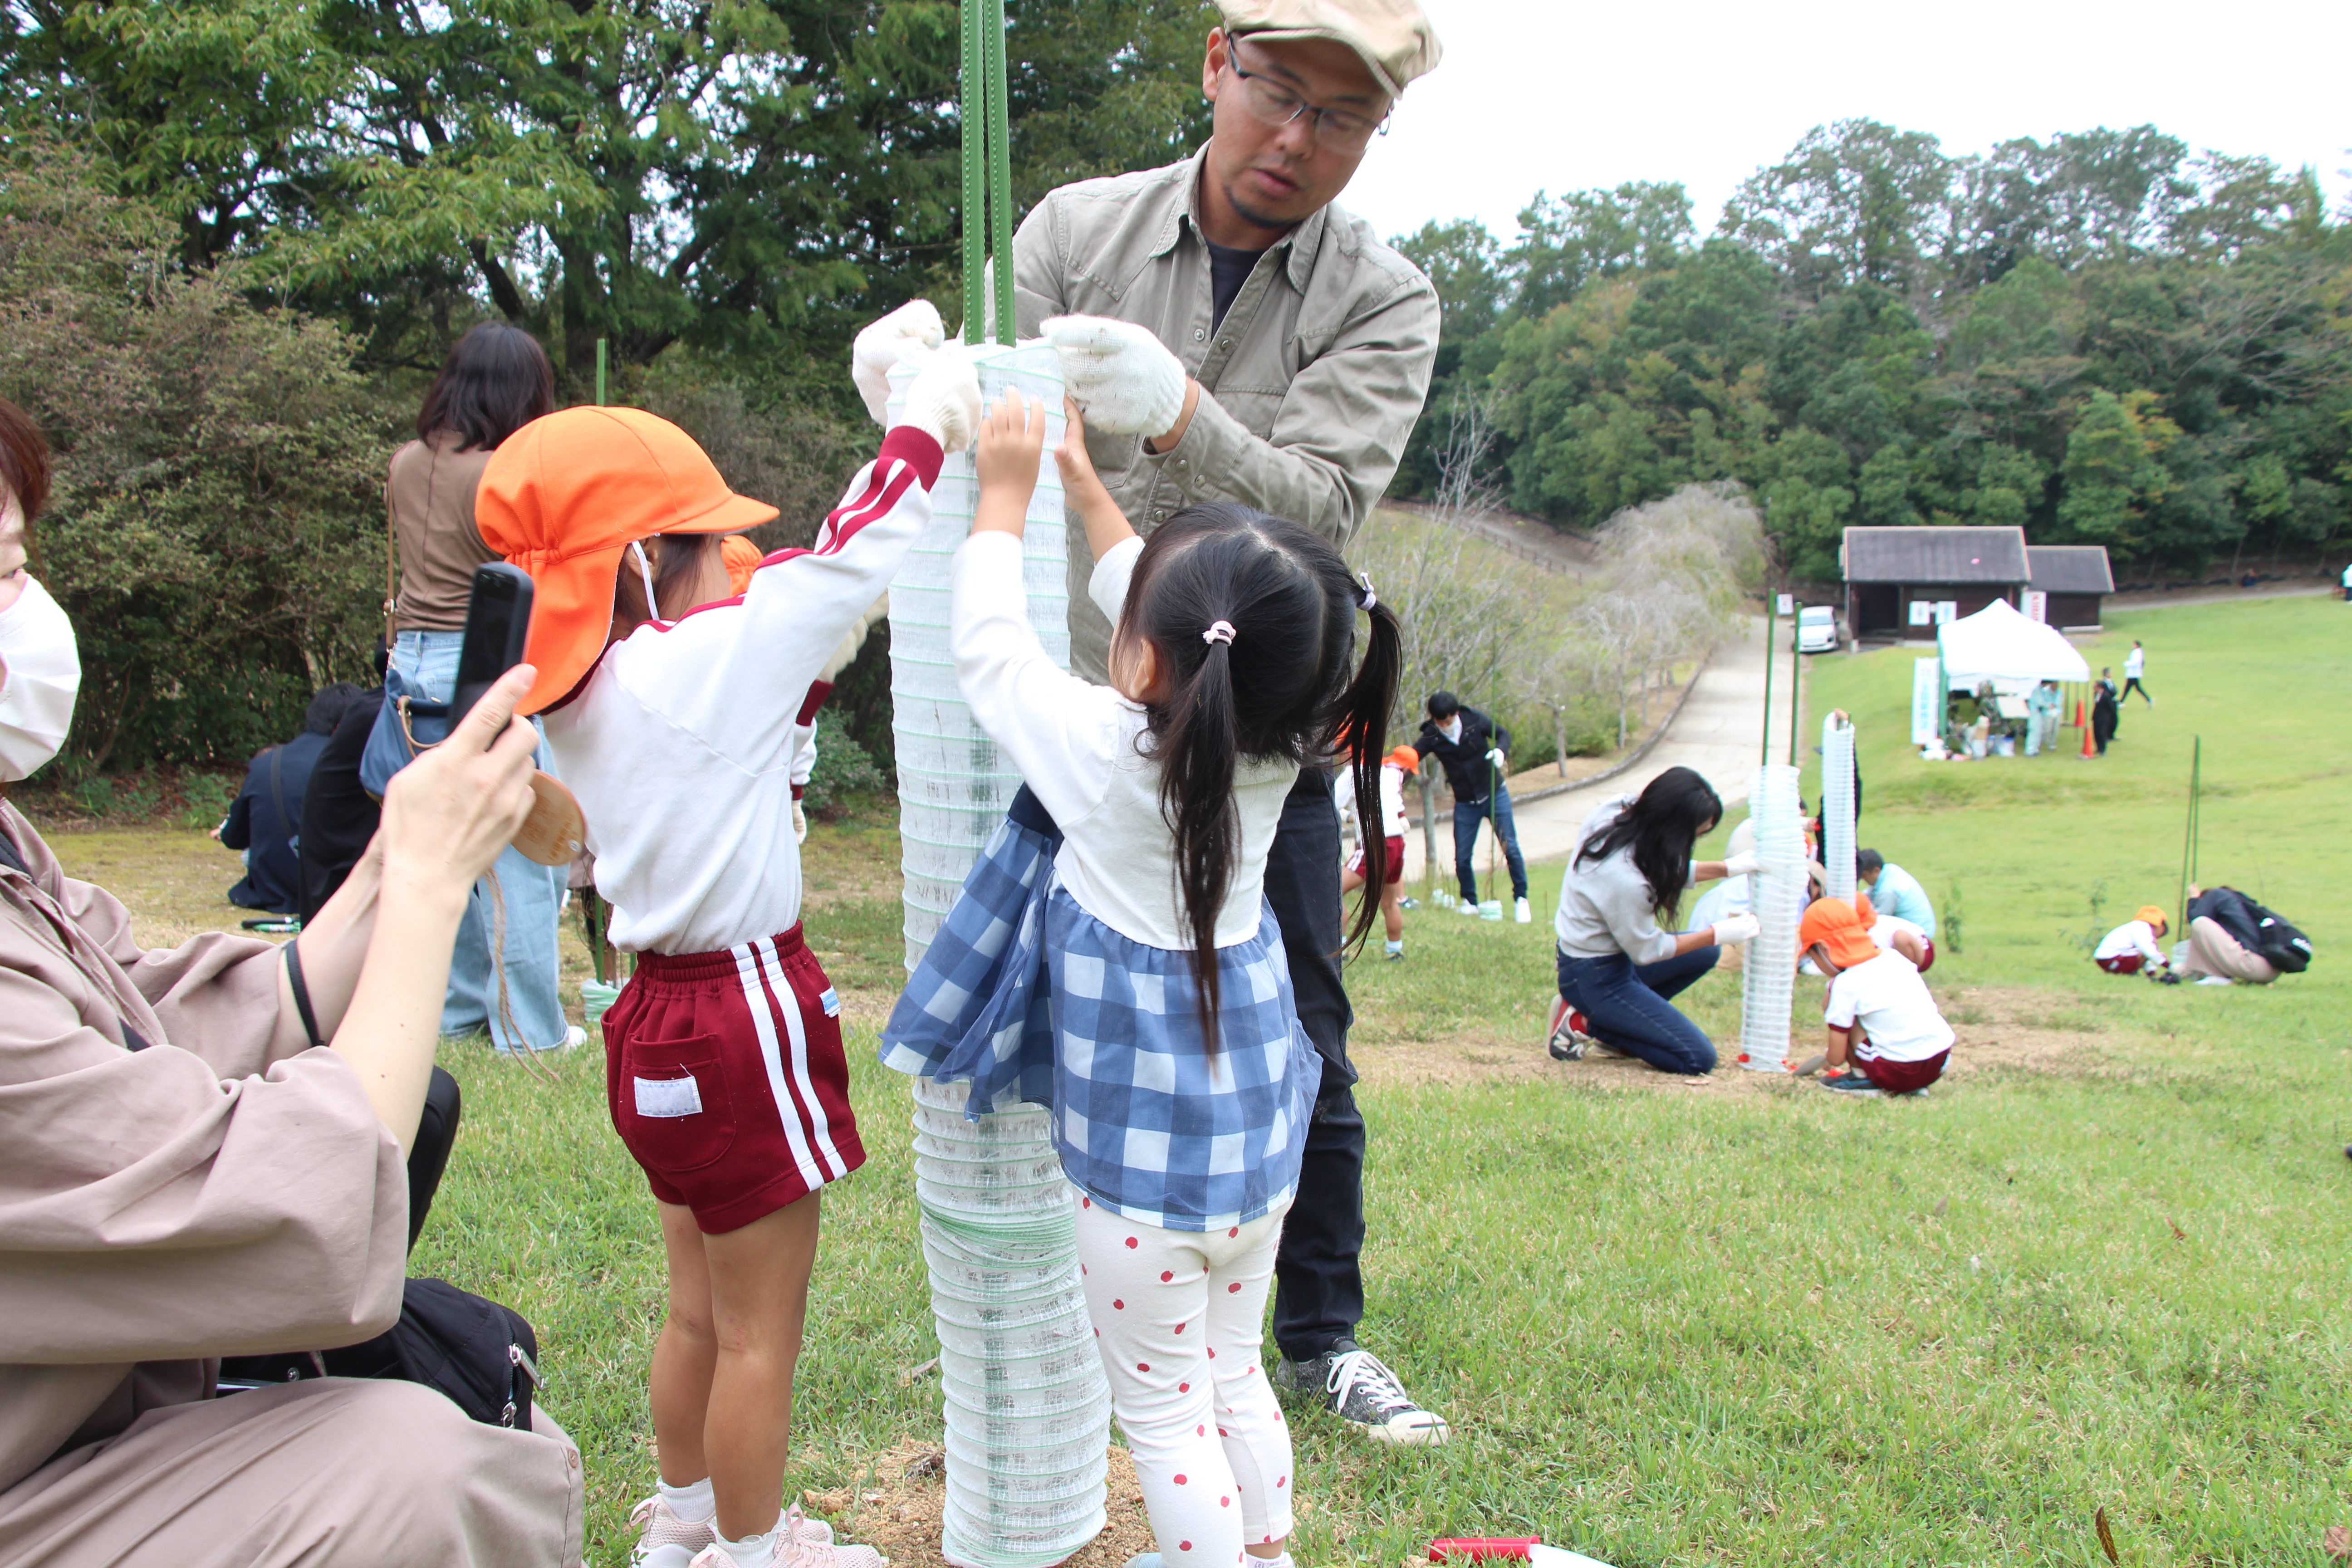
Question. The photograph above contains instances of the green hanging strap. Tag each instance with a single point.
(987, 171)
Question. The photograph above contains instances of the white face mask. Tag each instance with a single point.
(40, 673)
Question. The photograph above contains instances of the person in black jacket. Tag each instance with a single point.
(266, 818)
(2224, 929)
(338, 815)
(1475, 751)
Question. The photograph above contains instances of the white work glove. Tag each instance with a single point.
(911, 328)
(1733, 930)
(1495, 755)
(800, 824)
(1126, 381)
(944, 399)
(1745, 864)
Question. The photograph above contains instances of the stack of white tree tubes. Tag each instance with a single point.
(1027, 1411)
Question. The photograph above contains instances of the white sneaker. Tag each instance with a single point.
(663, 1539)
(1466, 908)
(799, 1542)
(2213, 980)
(574, 1038)
(1521, 913)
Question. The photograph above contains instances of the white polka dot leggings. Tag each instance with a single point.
(1179, 1316)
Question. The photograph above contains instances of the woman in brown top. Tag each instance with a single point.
(495, 381)
(196, 1167)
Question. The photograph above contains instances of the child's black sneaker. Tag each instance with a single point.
(1851, 1081)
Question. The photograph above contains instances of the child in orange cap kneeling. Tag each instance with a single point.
(1884, 1033)
(1385, 826)
(2131, 948)
(671, 707)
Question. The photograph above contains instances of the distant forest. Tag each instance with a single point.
(2099, 336)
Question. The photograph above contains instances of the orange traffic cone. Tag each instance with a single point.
(2087, 750)
(2078, 714)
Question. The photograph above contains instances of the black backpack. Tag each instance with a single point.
(2288, 949)
(484, 1356)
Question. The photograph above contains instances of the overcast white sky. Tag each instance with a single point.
(1539, 94)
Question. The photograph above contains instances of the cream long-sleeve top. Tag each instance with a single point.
(1604, 904)
(171, 1190)
(1081, 748)
(683, 745)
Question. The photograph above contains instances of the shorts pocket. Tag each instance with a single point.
(670, 1104)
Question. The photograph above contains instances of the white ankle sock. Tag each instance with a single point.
(692, 1504)
(753, 1551)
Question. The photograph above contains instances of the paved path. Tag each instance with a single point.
(1719, 732)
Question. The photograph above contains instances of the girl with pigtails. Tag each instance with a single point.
(1113, 955)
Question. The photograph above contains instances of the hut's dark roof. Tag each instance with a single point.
(1934, 555)
(2070, 568)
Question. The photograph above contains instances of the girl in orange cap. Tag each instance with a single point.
(671, 708)
(2131, 948)
(1884, 1033)
(1390, 819)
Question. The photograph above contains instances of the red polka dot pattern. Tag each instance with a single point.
(1180, 1328)
(1117, 1305)
(1179, 1480)
(1166, 1275)
(1132, 1244)
(1235, 1289)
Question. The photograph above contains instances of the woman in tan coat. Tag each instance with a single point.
(193, 1165)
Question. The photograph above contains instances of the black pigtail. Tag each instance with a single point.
(1199, 751)
(1359, 719)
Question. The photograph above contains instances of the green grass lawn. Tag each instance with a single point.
(2105, 1265)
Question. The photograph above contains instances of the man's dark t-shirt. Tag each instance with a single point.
(1228, 270)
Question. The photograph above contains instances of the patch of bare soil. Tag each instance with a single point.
(2001, 1028)
(897, 1510)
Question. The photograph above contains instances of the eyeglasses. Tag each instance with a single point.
(1341, 130)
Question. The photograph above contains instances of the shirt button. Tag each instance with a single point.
(1199, 333)
(1226, 344)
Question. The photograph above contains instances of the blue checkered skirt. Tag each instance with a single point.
(1026, 996)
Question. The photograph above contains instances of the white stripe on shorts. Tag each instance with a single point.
(763, 1022)
(820, 1126)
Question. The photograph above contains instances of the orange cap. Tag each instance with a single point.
(1837, 926)
(741, 558)
(1406, 758)
(565, 496)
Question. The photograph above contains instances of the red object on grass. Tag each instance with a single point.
(1485, 1548)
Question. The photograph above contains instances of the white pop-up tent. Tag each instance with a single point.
(2000, 645)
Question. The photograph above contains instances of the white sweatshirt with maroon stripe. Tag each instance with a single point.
(681, 745)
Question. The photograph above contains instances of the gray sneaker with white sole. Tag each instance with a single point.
(1359, 1387)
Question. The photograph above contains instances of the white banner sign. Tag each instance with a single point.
(1926, 701)
(2037, 606)
(1923, 612)
(1946, 610)
(1788, 603)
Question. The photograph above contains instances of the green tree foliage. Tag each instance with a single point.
(216, 525)
(2097, 337)
(751, 177)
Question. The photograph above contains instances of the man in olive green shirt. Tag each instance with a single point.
(1231, 335)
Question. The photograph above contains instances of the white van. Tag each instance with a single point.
(1817, 629)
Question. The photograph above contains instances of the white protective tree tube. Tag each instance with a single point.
(1837, 808)
(1027, 1411)
(1768, 979)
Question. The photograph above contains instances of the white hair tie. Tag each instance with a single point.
(1219, 631)
(1369, 598)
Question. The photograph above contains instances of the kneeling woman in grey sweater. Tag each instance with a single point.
(1620, 958)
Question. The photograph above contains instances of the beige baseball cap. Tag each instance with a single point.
(1393, 36)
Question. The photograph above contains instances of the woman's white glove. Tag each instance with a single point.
(943, 401)
(1745, 864)
(1124, 378)
(912, 327)
(1733, 930)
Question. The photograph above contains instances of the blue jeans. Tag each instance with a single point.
(1626, 1008)
(424, 666)
(1467, 815)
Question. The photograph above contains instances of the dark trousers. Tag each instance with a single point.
(1318, 1286)
(429, 1155)
(1467, 815)
(1626, 1006)
(2131, 684)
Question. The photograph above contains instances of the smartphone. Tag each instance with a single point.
(498, 628)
